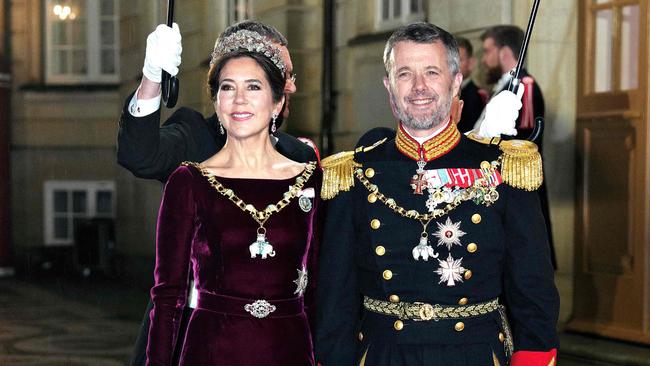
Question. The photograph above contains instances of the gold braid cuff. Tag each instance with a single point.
(338, 171)
(521, 164)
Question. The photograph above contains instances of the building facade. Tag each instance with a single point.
(72, 70)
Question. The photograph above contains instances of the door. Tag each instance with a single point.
(611, 294)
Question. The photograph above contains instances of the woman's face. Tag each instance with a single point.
(244, 101)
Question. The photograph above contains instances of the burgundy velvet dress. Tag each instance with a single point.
(200, 227)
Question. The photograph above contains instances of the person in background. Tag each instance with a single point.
(501, 47)
(472, 97)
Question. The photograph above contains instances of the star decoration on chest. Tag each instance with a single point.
(450, 270)
(301, 282)
(449, 233)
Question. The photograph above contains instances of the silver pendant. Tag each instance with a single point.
(424, 250)
(305, 203)
(261, 247)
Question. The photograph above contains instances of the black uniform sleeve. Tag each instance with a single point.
(530, 294)
(472, 108)
(154, 152)
(339, 298)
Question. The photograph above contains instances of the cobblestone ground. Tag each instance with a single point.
(40, 327)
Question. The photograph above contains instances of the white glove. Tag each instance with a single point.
(163, 52)
(501, 114)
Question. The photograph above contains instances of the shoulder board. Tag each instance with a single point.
(483, 140)
(521, 164)
(338, 171)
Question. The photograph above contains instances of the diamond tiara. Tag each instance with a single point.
(251, 41)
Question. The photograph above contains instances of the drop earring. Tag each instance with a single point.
(273, 128)
(221, 131)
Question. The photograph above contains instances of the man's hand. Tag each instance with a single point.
(163, 52)
(501, 114)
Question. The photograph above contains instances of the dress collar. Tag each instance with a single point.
(433, 148)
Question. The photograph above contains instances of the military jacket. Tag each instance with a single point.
(486, 244)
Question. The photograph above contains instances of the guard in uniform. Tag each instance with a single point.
(435, 252)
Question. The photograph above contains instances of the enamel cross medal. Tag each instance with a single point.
(261, 246)
(418, 183)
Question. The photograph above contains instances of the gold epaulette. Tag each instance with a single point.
(483, 140)
(521, 164)
(338, 171)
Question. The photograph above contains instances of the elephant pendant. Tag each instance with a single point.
(261, 247)
(424, 250)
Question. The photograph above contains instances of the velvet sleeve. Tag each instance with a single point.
(174, 235)
(150, 151)
(531, 298)
(338, 293)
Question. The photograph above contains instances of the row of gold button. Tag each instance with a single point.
(380, 250)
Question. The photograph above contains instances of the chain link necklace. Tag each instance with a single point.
(423, 248)
(261, 246)
(480, 193)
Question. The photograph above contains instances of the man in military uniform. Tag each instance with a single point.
(434, 241)
(501, 48)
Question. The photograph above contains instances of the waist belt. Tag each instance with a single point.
(250, 307)
(419, 311)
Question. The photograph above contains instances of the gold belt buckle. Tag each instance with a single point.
(428, 312)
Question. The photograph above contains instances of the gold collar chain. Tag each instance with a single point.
(260, 216)
(411, 214)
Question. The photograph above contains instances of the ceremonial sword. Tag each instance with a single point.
(169, 83)
(515, 81)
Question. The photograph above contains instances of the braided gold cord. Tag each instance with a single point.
(443, 143)
(260, 216)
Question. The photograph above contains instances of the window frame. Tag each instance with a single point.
(90, 188)
(591, 102)
(93, 46)
(406, 16)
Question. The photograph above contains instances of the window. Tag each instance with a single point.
(82, 41)
(616, 42)
(239, 10)
(394, 13)
(69, 202)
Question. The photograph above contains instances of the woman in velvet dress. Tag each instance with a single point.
(246, 221)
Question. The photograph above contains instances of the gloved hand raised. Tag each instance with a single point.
(163, 52)
(501, 114)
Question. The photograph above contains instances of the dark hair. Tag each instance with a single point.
(466, 44)
(262, 29)
(423, 32)
(273, 75)
(509, 36)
